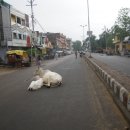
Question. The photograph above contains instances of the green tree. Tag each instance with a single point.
(121, 28)
(77, 45)
(122, 24)
(93, 42)
(105, 39)
(123, 19)
(109, 40)
(120, 32)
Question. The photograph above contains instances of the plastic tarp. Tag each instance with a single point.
(17, 52)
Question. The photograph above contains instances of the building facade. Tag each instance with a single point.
(21, 34)
(5, 28)
(122, 47)
(69, 44)
(57, 40)
(16, 34)
(14, 29)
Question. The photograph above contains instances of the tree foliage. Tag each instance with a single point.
(122, 24)
(77, 45)
(123, 19)
(121, 28)
(120, 32)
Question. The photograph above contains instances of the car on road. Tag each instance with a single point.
(68, 52)
(60, 53)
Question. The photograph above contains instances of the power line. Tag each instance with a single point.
(32, 14)
(40, 25)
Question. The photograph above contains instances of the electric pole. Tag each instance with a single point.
(32, 16)
(89, 32)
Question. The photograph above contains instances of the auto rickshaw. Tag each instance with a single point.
(18, 58)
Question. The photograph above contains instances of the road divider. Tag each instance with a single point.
(119, 92)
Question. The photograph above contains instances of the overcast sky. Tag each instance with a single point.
(66, 16)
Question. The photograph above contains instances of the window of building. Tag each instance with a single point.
(18, 20)
(20, 36)
(13, 18)
(23, 22)
(24, 37)
(14, 35)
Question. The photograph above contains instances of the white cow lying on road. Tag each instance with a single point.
(36, 84)
(46, 78)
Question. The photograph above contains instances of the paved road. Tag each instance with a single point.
(119, 63)
(82, 103)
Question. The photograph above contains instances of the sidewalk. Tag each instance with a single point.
(6, 70)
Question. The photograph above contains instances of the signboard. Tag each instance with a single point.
(89, 33)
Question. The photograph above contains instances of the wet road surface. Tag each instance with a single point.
(82, 103)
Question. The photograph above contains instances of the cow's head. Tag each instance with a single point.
(39, 71)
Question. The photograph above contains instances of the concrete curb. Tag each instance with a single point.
(119, 93)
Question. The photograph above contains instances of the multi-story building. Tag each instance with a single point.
(61, 41)
(40, 41)
(57, 40)
(21, 34)
(14, 29)
(5, 28)
(69, 43)
(16, 34)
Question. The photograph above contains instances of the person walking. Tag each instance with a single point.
(38, 61)
(76, 53)
(56, 55)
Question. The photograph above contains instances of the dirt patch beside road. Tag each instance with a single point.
(118, 76)
(6, 70)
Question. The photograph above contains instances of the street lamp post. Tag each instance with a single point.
(83, 30)
(89, 32)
